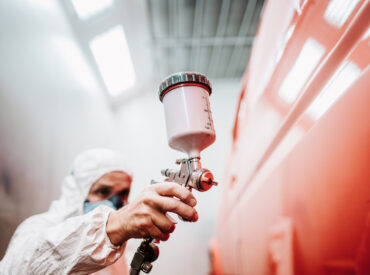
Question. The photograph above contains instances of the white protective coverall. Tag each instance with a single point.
(63, 240)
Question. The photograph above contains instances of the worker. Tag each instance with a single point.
(86, 229)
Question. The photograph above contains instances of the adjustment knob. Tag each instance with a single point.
(205, 181)
(201, 180)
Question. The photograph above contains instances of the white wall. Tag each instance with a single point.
(50, 108)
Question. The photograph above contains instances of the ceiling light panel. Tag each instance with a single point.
(112, 55)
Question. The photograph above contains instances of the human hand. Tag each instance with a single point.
(146, 215)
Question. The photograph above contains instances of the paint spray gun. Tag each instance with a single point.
(190, 129)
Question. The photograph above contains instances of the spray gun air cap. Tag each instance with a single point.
(185, 96)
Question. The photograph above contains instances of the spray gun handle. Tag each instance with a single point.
(155, 182)
(146, 253)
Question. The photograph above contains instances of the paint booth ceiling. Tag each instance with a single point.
(210, 36)
(213, 37)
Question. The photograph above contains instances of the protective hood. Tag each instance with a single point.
(61, 241)
(87, 168)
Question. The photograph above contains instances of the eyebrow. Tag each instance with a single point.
(124, 191)
(102, 185)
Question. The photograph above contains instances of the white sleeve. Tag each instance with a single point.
(78, 245)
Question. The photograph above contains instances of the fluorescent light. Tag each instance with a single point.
(112, 56)
(308, 58)
(338, 11)
(346, 74)
(88, 8)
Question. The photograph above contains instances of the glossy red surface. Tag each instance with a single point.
(297, 187)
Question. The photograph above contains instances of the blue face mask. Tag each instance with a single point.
(113, 202)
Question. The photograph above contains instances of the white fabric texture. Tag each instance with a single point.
(63, 240)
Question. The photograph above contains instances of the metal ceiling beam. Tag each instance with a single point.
(220, 33)
(243, 60)
(243, 31)
(171, 29)
(197, 31)
(156, 55)
(207, 41)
